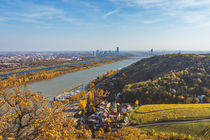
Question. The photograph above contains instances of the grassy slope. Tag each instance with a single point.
(170, 112)
(193, 129)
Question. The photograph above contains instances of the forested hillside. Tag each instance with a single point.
(173, 78)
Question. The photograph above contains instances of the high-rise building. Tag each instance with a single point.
(151, 52)
(94, 54)
(117, 50)
(97, 52)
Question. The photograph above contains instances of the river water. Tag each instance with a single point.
(56, 85)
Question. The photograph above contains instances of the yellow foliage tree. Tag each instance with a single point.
(82, 105)
(137, 102)
(27, 115)
(100, 133)
(91, 95)
(101, 92)
(108, 120)
(91, 85)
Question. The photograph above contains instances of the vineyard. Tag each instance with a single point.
(170, 112)
(194, 129)
(131, 133)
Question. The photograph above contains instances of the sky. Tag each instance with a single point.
(69, 25)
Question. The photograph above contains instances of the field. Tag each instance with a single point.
(170, 112)
(194, 129)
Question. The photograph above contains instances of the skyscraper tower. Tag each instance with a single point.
(94, 54)
(117, 50)
(151, 52)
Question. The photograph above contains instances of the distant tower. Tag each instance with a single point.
(151, 52)
(94, 54)
(97, 52)
(117, 50)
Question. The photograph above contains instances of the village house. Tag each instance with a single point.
(201, 97)
(114, 115)
(105, 111)
(125, 108)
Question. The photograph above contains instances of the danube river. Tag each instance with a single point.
(56, 85)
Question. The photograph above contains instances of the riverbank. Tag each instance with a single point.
(50, 64)
(92, 85)
(98, 78)
(49, 74)
(40, 68)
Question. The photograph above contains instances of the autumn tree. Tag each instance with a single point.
(91, 95)
(28, 115)
(82, 105)
(91, 85)
(137, 102)
(100, 133)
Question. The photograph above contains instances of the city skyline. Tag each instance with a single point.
(71, 25)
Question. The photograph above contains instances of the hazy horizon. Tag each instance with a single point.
(82, 25)
(91, 50)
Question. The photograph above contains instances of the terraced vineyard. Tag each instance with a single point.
(170, 112)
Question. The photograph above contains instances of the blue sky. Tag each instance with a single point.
(50, 25)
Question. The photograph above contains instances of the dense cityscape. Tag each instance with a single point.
(31, 59)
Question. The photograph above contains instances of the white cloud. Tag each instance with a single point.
(111, 13)
(192, 3)
(163, 3)
(89, 5)
(151, 21)
(142, 3)
(187, 11)
(35, 13)
(2, 19)
(39, 11)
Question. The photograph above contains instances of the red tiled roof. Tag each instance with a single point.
(114, 113)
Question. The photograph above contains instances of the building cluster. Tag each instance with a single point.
(13, 60)
(107, 114)
(35, 58)
(106, 52)
(199, 99)
(20, 60)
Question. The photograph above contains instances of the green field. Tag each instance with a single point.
(170, 112)
(194, 129)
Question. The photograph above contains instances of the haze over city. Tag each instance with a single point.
(37, 25)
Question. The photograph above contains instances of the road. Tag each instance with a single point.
(172, 122)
